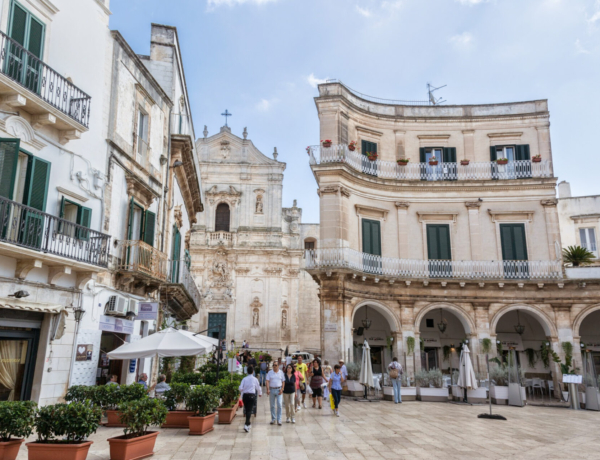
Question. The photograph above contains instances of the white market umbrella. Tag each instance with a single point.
(366, 370)
(168, 342)
(466, 374)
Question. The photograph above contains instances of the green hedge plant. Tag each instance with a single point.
(203, 399)
(79, 393)
(353, 371)
(176, 397)
(16, 419)
(74, 422)
(229, 393)
(138, 416)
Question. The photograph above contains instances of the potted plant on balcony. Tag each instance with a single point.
(229, 394)
(203, 400)
(433, 161)
(16, 421)
(536, 158)
(372, 156)
(352, 146)
(74, 422)
(138, 416)
(465, 162)
(577, 256)
(402, 161)
(502, 161)
(326, 143)
(176, 400)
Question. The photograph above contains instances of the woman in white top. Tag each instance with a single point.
(249, 388)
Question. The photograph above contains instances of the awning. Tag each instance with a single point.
(26, 305)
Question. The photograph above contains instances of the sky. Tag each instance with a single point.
(262, 60)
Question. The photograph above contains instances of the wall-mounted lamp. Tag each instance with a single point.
(79, 313)
(19, 294)
(177, 164)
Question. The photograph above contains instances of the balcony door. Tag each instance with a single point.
(446, 167)
(368, 166)
(141, 227)
(518, 164)
(28, 32)
(214, 321)
(371, 246)
(439, 250)
(514, 251)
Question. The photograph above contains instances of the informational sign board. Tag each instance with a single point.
(431, 340)
(84, 352)
(572, 378)
(510, 341)
(132, 363)
(114, 324)
(330, 327)
(147, 311)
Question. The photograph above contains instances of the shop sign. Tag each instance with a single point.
(113, 324)
(592, 346)
(431, 340)
(375, 337)
(511, 341)
(147, 311)
(84, 352)
(330, 327)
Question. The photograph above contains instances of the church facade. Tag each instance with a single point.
(247, 251)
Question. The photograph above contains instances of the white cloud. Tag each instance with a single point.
(212, 4)
(363, 11)
(471, 2)
(314, 81)
(579, 48)
(391, 5)
(463, 39)
(596, 16)
(265, 105)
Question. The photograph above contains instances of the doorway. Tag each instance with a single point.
(18, 350)
(109, 342)
(429, 359)
(377, 359)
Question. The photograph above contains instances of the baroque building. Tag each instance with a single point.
(247, 251)
(440, 223)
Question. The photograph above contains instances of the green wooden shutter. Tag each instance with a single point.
(422, 155)
(84, 218)
(18, 24)
(493, 156)
(175, 255)
(522, 152)
(449, 154)
(130, 224)
(38, 177)
(35, 38)
(149, 224)
(188, 259)
(514, 244)
(438, 242)
(366, 237)
(9, 159)
(371, 237)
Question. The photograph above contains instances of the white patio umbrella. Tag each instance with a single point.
(168, 342)
(366, 370)
(466, 374)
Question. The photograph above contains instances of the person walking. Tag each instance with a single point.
(300, 383)
(303, 369)
(252, 361)
(264, 367)
(327, 371)
(289, 393)
(275, 380)
(343, 369)
(395, 371)
(335, 386)
(316, 380)
(249, 388)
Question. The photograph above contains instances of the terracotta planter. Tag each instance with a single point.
(326, 144)
(464, 162)
(178, 419)
(226, 416)
(114, 419)
(433, 163)
(502, 161)
(202, 425)
(372, 158)
(352, 148)
(134, 448)
(10, 449)
(537, 160)
(43, 451)
(402, 163)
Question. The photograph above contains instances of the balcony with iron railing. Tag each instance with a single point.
(350, 260)
(29, 234)
(28, 82)
(142, 261)
(180, 291)
(489, 170)
(220, 238)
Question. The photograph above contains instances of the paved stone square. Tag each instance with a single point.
(412, 430)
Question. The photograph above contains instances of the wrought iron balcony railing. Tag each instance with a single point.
(378, 266)
(27, 227)
(489, 170)
(179, 273)
(30, 72)
(139, 257)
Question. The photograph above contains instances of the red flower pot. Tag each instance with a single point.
(464, 162)
(202, 425)
(433, 163)
(326, 144)
(352, 148)
(114, 419)
(402, 163)
(226, 416)
(10, 449)
(122, 448)
(502, 161)
(178, 419)
(537, 159)
(58, 451)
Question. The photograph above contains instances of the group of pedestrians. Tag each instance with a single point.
(287, 385)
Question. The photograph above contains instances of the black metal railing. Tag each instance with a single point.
(32, 73)
(27, 227)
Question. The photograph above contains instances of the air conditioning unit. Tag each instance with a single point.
(117, 305)
(133, 306)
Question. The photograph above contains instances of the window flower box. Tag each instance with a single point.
(536, 159)
(502, 161)
(402, 161)
(327, 143)
(464, 162)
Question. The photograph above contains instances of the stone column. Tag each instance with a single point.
(334, 216)
(402, 207)
(333, 321)
(469, 143)
(482, 323)
(400, 146)
(552, 226)
(407, 320)
(474, 229)
(329, 125)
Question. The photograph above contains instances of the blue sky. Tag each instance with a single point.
(260, 59)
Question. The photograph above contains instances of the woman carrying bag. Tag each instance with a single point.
(316, 380)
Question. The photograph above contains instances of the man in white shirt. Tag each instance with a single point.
(343, 370)
(288, 361)
(249, 388)
(275, 379)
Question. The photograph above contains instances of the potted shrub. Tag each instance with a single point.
(372, 156)
(353, 387)
(536, 158)
(16, 421)
(177, 405)
(229, 394)
(79, 393)
(352, 146)
(464, 162)
(110, 396)
(408, 393)
(402, 161)
(326, 143)
(576, 255)
(430, 386)
(138, 416)
(62, 430)
(502, 161)
(202, 400)
(433, 161)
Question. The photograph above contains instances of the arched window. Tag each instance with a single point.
(310, 243)
(222, 218)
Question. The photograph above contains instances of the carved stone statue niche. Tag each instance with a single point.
(255, 318)
(259, 204)
(284, 319)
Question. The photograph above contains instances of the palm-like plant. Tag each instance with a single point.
(577, 255)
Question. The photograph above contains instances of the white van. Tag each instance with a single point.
(306, 357)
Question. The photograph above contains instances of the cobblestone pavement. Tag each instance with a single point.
(412, 430)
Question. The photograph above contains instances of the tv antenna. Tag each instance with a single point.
(431, 97)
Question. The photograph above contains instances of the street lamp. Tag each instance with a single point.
(519, 327)
(79, 313)
(442, 324)
(366, 322)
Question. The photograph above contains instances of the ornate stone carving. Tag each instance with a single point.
(255, 318)
(551, 202)
(259, 204)
(284, 304)
(273, 270)
(231, 196)
(225, 148)
(178, 215)
(284, 319)
(242, 270)
(402, 204)
(473, 204)
(333, 189)
(255, 303)
(219, 283)
(293, 272)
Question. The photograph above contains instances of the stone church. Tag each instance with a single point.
(247, 250)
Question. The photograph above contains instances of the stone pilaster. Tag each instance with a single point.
(552, 226)
(469, 143)
(402, 207)
(544, 144)
(474, 229)
(334, 216)
(412, 362)
(400, 147)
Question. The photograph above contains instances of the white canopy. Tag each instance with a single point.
(168, 342)
(466, 375)
(366, 370)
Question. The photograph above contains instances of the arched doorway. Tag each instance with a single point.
(589, 332)
(376, 324)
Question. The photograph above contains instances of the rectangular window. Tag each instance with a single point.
(309, 245)
(588, 239)
(438, 250)
(142, 138)
(371, 237)
(368, 147)
(76, 214)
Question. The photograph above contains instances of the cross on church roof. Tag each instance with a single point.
(226, 114)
